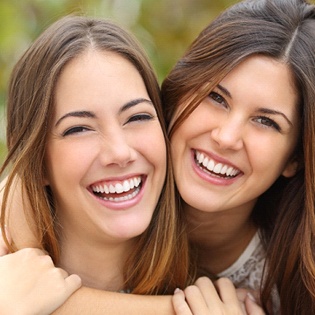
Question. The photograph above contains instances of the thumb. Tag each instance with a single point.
(3, 246)
(74, 283)
(252, 307)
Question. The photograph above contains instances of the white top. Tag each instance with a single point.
(247, 270)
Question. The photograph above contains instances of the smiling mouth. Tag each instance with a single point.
(213, 168)
(120, 191)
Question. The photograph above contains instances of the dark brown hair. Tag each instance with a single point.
(285, 31)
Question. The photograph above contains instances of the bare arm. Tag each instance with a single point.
(91, 301)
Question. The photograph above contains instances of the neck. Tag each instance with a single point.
(99, 265)
(219, 238)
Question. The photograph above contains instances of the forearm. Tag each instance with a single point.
(90, 301)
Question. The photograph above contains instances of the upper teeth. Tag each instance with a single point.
(215, 167)
(118, 188)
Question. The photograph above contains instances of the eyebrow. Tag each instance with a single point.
(89, 114)
(224, 91)
(262, 110)
(274, 112)
(134, 103)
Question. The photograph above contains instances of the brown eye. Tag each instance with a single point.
(266, 121)
(217, 98)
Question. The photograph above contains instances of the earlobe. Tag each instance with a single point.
(291, 168)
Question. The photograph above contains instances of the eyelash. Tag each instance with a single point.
(79, 129)
(73, 130)
(269, 123)
(139, 118)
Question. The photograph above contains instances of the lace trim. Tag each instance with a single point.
(247, 270)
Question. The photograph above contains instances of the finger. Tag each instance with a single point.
(179, 304)
(197, 300)
(241, 294)
(227, 291)
(74, 282)
(209, 292)
(252, 307)
(64, 274)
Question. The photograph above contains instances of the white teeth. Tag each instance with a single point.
(210, 165)
(118, 188)
(106, 189)
(124, 198)
(229, 171)
(223, 170)
(112, 189)
(214, 167)
(205, 162)
(217, 168)
(126, 186)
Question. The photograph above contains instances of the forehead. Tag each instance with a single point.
(98, 79)
(268, 80)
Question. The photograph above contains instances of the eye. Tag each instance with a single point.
(74, 130)
(268, 122)
(217, 98)
(139, 118)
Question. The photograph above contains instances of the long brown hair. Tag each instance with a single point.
(159, 263)
(285, 31)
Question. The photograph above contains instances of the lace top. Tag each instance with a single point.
(246, 271)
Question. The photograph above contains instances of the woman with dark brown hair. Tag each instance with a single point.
(240, 108)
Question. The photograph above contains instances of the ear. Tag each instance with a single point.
(291, 168)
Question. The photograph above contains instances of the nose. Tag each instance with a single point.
(228, 133)
(117, 150)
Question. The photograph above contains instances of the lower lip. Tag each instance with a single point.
(221, 181)
(124, 204)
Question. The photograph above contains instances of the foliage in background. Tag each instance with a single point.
(164, 27)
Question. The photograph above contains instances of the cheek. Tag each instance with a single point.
(270, 156)
(152, 146)
(67, 161)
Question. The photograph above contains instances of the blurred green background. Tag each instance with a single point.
(164, 27)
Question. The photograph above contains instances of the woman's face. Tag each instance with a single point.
(240, 138)
(106, 155)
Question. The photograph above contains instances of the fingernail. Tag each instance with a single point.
(177, 290)
(251, 297)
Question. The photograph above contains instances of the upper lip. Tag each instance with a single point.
(117, 185)
(215, 163)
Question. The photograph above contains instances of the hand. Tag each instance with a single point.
(249, 299)
(205, 298)
(31, 284)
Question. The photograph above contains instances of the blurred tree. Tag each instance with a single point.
(164, 27)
